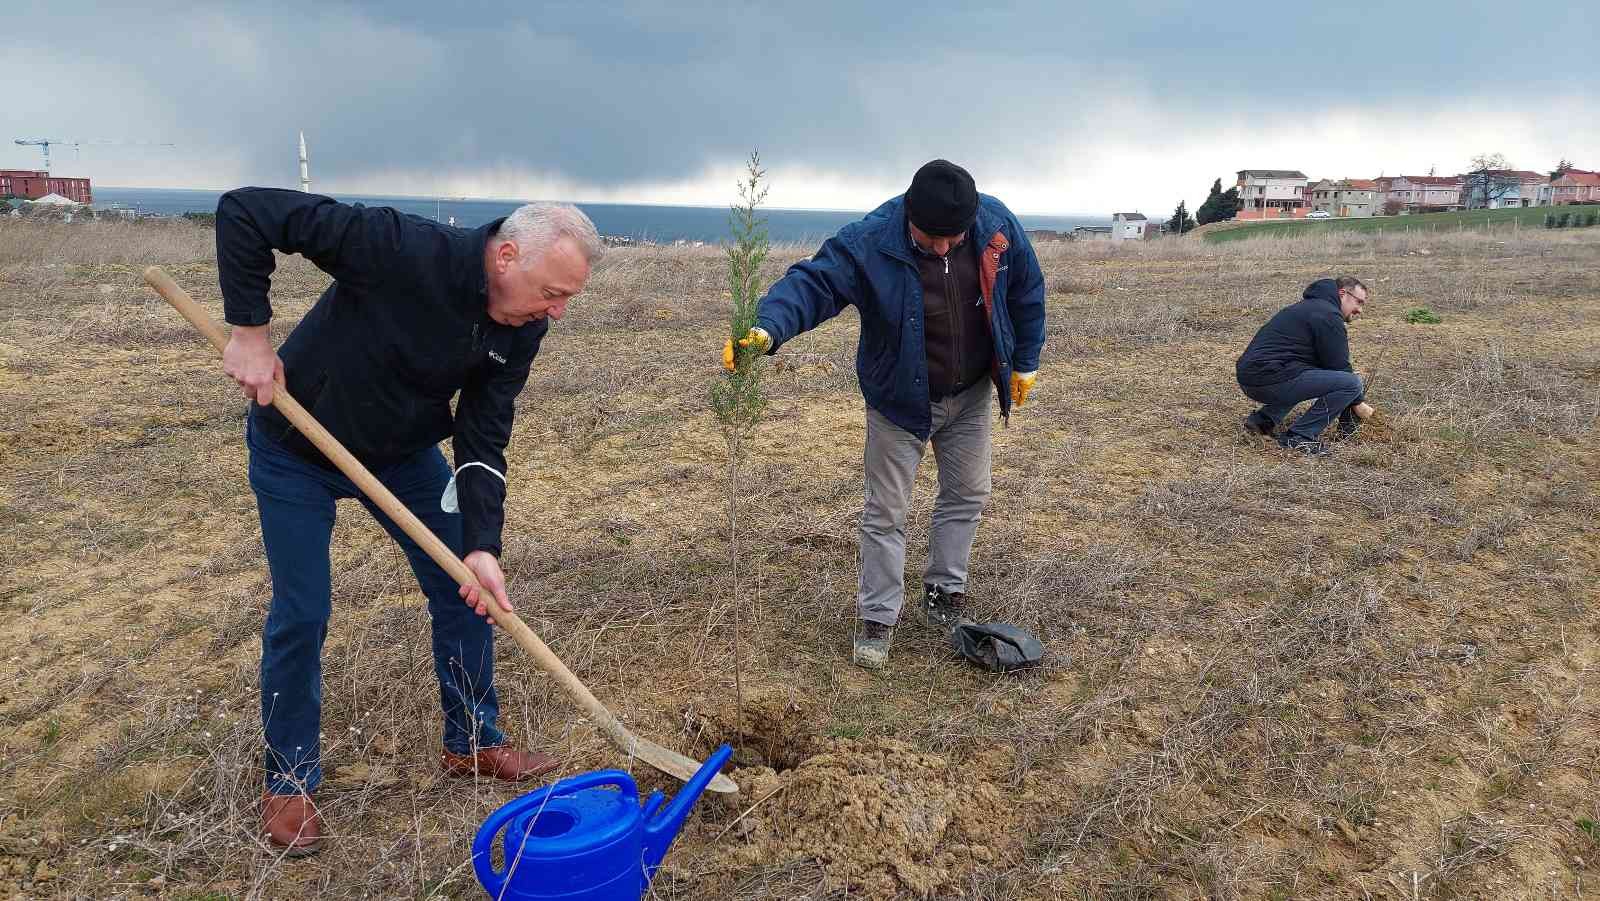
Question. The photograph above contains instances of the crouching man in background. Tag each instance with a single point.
(1303, 353)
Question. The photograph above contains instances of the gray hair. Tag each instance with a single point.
(536, 227)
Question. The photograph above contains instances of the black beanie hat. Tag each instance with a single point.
(942, 199)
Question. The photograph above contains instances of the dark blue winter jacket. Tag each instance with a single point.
(1308, 335)
(869, 264)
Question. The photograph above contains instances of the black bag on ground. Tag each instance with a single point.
(997, 647)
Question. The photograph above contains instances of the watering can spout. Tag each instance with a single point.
(663, 827)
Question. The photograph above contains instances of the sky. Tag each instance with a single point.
(1055, 107)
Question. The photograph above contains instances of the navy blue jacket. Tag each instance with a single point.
(869, 264)
(1308, 335)
(403, 327)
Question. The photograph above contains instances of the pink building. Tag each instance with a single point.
(1423, 192)
(1575, 186)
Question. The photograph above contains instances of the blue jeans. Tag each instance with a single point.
(296, 500)
(1332, 392)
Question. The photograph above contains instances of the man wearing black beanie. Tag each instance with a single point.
(952, 307)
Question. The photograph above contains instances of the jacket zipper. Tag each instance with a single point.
(953, 304)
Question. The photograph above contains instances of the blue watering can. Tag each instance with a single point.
(585, 838)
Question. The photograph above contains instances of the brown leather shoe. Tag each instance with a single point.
(292, 823)
(503, 762)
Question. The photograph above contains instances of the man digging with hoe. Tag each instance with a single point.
(951, 300)
(417, 312)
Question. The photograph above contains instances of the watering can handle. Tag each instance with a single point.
(483, 843)
(483, 849)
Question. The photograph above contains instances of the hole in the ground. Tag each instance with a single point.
(772, 732)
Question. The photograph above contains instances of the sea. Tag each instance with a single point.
(636, 222)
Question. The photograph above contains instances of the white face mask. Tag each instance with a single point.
(447, 501)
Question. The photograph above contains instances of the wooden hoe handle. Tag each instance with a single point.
(664, 759)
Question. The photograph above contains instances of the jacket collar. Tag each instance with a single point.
(474, 275)
(897, 241)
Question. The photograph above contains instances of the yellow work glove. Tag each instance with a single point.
(756, 339)
(1021, 384)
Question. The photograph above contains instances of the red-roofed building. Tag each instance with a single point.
(1575, 186)
(1346, 198)
(1425, 193)
(29, 184)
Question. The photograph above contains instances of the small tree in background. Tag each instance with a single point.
(1220, 205)
(1489, 180)
(1208, 210)
(737, 398)
(1562, 168)
(1181, 221)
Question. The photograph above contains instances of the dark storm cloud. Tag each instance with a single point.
(610, 94)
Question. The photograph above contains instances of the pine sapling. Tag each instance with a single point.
(736, 397)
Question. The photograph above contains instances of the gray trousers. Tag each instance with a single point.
(961, 447)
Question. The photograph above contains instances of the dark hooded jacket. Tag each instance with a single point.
(403, 329)
(1308, 335)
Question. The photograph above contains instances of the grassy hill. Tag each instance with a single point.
(1531, 217)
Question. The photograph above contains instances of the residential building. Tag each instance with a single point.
(1091, 233)
(1380, 194)
(1272, 193)
(30, 184)
(1345, 197)
(1357, 198)
(1131, 227)
(1319, 195)
(1495, 189)
(1575, 186)
(1425, 193)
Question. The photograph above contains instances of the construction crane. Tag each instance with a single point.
(44, 144)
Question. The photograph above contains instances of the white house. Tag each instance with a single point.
(1130, 227)
(1271, 193)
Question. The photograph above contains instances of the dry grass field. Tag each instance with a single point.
(1367, 676)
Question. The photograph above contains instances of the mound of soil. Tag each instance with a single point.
(879, 816)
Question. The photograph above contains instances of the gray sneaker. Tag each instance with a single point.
(942, 609)
(872, 644)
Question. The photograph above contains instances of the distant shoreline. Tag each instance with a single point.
(430, 198)
(643, 223)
